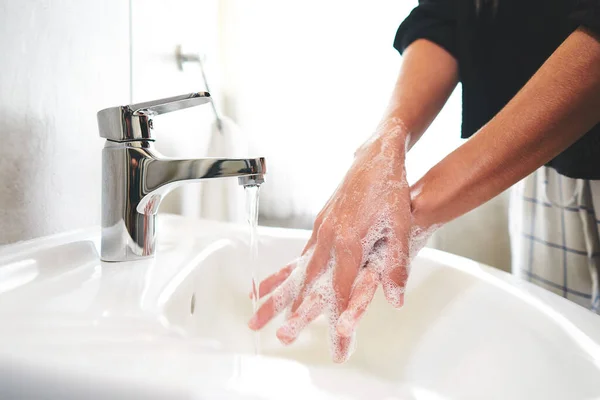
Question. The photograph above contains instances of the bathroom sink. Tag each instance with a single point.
(175, 327)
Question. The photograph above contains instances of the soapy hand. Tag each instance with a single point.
(360, 241)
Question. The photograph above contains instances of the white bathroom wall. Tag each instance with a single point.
(60, 62)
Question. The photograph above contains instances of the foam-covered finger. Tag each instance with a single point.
(396, 263)
(362, 295)
(308, 311)
(273, 281)
(345, 271)
(281, 298)
(316, 262)
(347, 263)
(341, 347)
(394, 276)
(310, 244)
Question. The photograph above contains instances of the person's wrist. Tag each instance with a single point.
(396, 133)
(391, 137)
(421, 209)
(423, 223)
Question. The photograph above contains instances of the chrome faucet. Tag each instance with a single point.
(135, 177)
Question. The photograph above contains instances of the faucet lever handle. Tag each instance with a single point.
(133, 122)
(175, 103)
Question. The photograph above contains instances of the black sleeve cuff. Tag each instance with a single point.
(587, 14)
(434, 20)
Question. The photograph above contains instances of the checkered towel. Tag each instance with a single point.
(554, 230)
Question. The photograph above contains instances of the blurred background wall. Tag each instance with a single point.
(60, 62)
(305, 81)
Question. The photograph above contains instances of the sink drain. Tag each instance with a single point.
(193, 304)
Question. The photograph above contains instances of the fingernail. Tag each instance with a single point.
(340, 358)
(253, 323)
(400, 302)
(397, 301)
(286, 334)
(346, 324)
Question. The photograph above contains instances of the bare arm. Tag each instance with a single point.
(559, 104)
(427, 77)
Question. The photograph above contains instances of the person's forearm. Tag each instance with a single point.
(427, 77)
(554, 109)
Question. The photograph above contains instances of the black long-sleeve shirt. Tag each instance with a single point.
(499, 48)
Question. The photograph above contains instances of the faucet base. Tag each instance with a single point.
(129, 243)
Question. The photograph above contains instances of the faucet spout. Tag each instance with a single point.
(135, 180)
(164, 174)
(251, 180)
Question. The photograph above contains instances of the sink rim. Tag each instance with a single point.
(582, 324)
(525, 290)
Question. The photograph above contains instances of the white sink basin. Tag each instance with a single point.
(175, 327)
